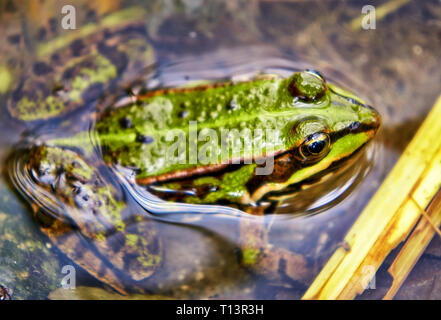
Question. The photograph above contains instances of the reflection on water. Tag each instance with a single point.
(77, 193)
(200, 254)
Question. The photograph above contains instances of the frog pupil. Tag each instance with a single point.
(317, 146)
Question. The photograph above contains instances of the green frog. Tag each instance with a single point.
(221, 148)
(236, 143)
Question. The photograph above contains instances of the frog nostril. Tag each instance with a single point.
(354, 126)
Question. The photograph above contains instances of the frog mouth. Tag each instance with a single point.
(324, 189)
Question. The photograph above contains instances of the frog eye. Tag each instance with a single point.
(307, 85)
(315, 147)
(316, 73)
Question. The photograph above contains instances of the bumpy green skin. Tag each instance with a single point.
(5, 79)
(261, 104)
(157, 116)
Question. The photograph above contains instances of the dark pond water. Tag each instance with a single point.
(395, 67)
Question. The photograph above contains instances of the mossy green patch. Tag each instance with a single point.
(104, 71)
(111, 20)
(232, 185)
(250, 256)
(113, 209)
(5, 79)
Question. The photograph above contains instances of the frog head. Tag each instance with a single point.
(327, 125)
(321, 114)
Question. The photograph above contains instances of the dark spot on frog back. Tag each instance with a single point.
(14, 39)
(42, 33)
(77, 47)
(53, 24)
(68, 73)
(125, 123)
(144, 139)
(55, 58)
(91, 16)
(42, 68)
(183, 114)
